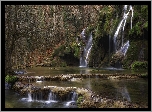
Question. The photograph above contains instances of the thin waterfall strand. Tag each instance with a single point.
(86, 50)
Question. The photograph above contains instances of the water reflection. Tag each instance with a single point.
(125, 94)
(45, 71)
(84, 71)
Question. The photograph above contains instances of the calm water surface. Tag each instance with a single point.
(43, 71)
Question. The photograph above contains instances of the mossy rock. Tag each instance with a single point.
(134, 53)
(116, 59)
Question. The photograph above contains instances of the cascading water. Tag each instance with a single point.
(29, 97)
(122, 25)
(72, 102)
(120, 48)
(86, 50)
(124, 48)
(74, 96)
(51, 98)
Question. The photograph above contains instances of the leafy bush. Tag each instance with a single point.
(133, 52)
(59, 51)
(79, 100)
(138, 65)
(10, 79)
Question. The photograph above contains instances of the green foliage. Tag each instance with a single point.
(138, 65)
(136, 30)
(77, 52)
(79, 100)
(140, 21)
(10, 79)
(63, 49)
(127, 63)
(59, 51)
(67, 50)
(76, 49)
(133, 53)
(145, 25)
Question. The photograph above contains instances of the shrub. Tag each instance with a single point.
(10, 79)
(139, 65)
(79, 100)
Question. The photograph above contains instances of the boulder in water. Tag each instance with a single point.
(117, 59)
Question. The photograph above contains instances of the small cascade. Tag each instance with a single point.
(29, 97)
(52, 97)
(72, 103)
(74, 96)
(39, 96)
(85, 50)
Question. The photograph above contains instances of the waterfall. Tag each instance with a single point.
(85, 50)
(29, 97)
(122, 25)
(120, 46)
